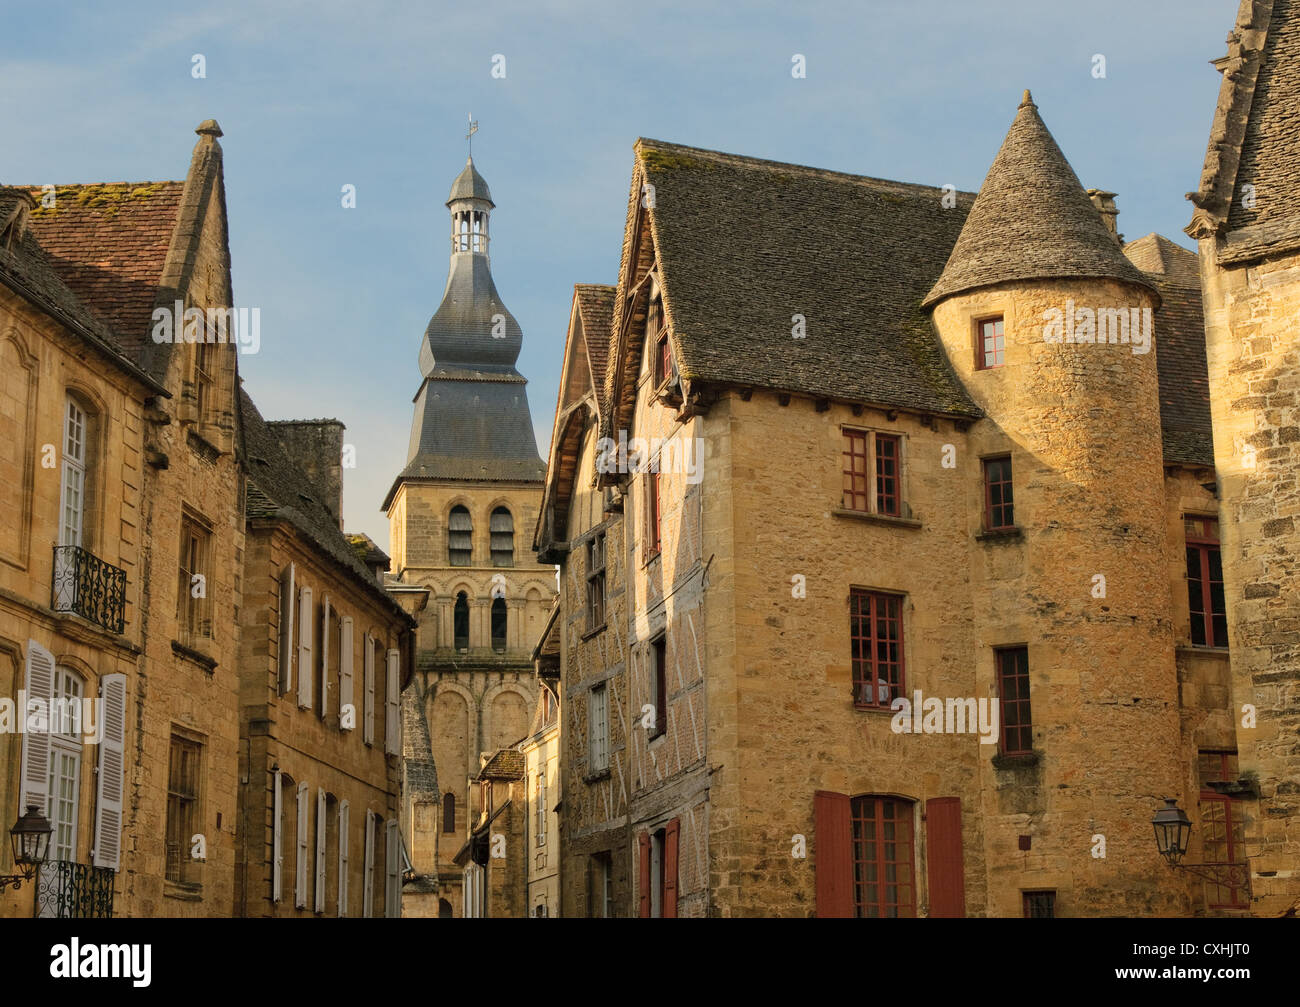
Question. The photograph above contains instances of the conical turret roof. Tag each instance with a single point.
(1031, 220)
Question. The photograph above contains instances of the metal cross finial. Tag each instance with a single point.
(469, 137)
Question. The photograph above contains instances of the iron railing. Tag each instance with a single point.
(85, 584)
(66, 890)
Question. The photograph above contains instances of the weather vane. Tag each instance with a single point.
(469, 137)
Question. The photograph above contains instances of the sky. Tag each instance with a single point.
(313, 96)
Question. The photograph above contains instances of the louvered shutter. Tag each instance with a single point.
(833, 855)
(300, 867)
(671, 832)
(368, 885)
(344, 825)
(306, 636)
(39, 685)
(393, 871)
(288, 595)
(325, 656)
(322, 830)
(392, 728)
(643, 875)
(111, 782)
(368, 666)
(345, 672)
(277, 840)
(947, 875)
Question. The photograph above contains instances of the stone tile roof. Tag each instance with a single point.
(417, 750)
(469, 184)
(745, 244)
(367, 549)
(596, 305)
(505, 764)
(1031, 220)
(1180, 349)
(278, 489)
(109, 242)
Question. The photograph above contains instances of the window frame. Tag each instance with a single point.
(501, 557)
(1031, 901)
(598, 741)
(872, 643)
(878, 843)
(980, 348)
(596, 581)
(991, 509)
(1203, 543)
(659, 683)
(654, 515)
(455, 553)
(75, 467)
(1232, 823)
(194, 615)
(1000, 654)
(862, 491)
(188, 808)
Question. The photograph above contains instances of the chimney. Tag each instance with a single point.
(316, 447)
(1105, 203)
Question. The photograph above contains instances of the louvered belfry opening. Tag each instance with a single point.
(460, 537)
(502, 529)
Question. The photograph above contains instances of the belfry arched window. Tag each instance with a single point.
(502, 529)
(460, 535)
(461, 622)
(499, 625)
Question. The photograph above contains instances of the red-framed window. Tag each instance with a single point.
(855, 470)
(1223, 827)
(1205, 599)
(999, 500)
(884, 872)
(990, 343)
(888, 456)
(876, 639)
(1013, 696)
(1039, 905)
(654, 539)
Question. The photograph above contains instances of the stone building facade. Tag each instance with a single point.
(459, 513)
(1247, 224)
(836, 489)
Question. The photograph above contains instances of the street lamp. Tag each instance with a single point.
(1173, 831)
(31, 839)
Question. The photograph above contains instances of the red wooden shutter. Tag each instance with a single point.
(643, 890)
(670, 868)
(943, 857)
(833, 852)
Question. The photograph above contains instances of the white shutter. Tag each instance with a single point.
(300, 872)
(344, 818)
(368, 664)
(288, 595)
(325, 656)
(39, 684)
(306, 634)
(345, 672)
(368, 889)
(391, 724)
(107, 849)
(277, 840)
(322, 829)
(393, 871)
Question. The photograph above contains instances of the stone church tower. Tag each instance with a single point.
(460, 516)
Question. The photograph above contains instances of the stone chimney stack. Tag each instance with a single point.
(1105, 203)
(316, 446)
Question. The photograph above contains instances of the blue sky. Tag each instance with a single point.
(313, 96)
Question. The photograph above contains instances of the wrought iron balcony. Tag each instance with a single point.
(66, 890)
(86, 585)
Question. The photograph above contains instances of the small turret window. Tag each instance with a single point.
(460, 531)
(990, 348)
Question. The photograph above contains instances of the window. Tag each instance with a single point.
(182, 809)
(867, 452)
(883, 872)
(659, 680)
(1039, 905)
(65, 763)
(75, 435)
(461, 622)
(501, 530)
(1013, 694)
(499, 625)
(888, 449)
(657, 337)
(855, 470)
(460, 532)
(541, 807)
(654, 538)
(999, 505)
(1223, 827)
(205, 379)
(876, 639)
(598, 724)
(449, 813)
(194, 580)
(990, 349)
(600, 894)
(1205, 599)
(657, 873)
(596, 582)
